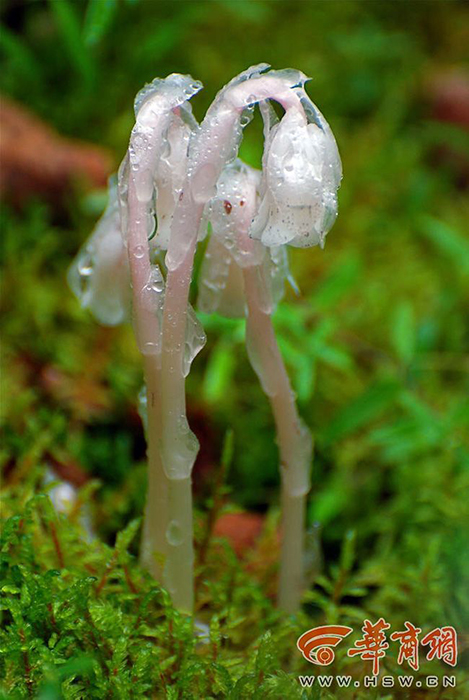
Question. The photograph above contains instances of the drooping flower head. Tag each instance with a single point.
(156, 164)
(295, 201)
(302, 173)
(230, 249)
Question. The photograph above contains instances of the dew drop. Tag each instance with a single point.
(195, 340)
(157, 284)
(174, 534)
(142, 406)
(85, 266)
(150, 348)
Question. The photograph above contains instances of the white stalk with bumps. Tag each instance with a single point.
(181, 172)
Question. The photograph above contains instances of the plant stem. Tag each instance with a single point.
(179, 568)
(179, 444)
(147, 331)
(291, 579)
(294, 441)
(154, 546)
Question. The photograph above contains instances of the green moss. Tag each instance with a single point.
(81, 620)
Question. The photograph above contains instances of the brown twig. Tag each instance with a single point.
(27, 667)
(130, 583)
(58, 549)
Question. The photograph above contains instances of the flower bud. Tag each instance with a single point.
(301, 178)
(221, 285)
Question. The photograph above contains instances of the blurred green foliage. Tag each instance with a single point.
(376, 343)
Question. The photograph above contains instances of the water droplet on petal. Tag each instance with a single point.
(195, 340)
(85, 266)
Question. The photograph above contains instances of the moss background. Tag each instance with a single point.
(377, 347)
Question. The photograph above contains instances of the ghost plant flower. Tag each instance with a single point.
(175, 175)
(301, 177)
(215, 143)
(231, 249)
(117, 273)
(100, 274)
(302, 172)
(260, 272)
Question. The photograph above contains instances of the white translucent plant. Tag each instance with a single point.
(302, 172)
(263, 272)
(177, 174)
(171, 172)
(100, 275)
(116, 275)
(230, 250)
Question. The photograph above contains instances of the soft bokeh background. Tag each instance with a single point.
(377, 342)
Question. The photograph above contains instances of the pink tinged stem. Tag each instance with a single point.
(155, 522)
(155, 108)
(147, 331)
(294, 439)
(179, 446)
(211, 153)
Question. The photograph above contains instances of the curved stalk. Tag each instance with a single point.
(294, 441)
(157, 105)
(179, 445)
(153, 548)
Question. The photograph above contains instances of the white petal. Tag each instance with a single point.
(99, 275)
(169, 177)
(302, 172)
(221, 288)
